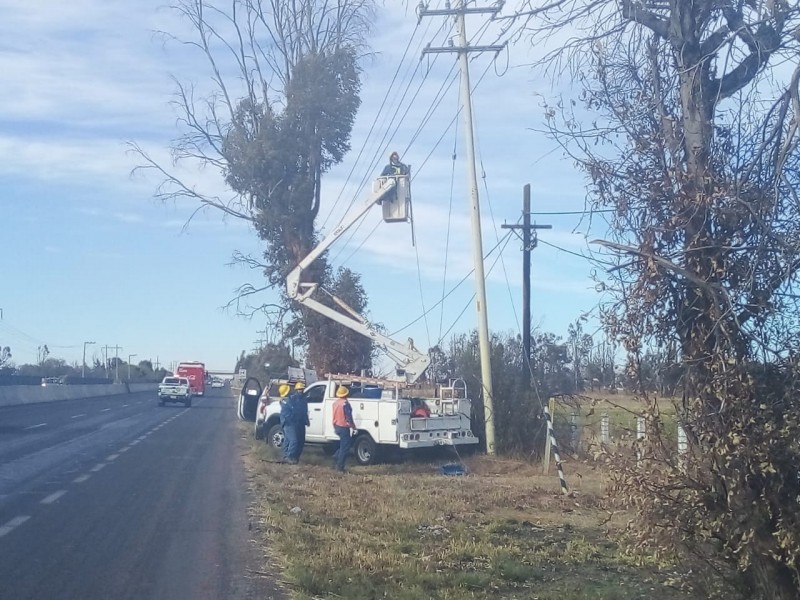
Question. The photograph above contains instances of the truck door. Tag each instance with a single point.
(315, 397)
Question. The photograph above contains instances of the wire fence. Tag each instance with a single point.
(588, 428)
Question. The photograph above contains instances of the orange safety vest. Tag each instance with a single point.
(339, 415)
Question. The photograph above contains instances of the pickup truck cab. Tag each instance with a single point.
(175, 389)
(384, 416)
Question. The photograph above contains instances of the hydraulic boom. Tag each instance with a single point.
(393, 193)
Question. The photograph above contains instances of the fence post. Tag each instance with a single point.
(641, 432)
(605, 438)
(556, 456)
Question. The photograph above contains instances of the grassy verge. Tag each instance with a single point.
(403, 531)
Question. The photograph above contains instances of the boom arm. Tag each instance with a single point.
(410, 361)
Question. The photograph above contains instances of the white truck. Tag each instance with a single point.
(384, 418)
(175, 389)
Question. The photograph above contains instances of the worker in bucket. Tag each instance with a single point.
(343, 425)
(288, 423)
(300, 421)
(395, 167)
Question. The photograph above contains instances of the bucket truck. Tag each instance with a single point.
(393, 194)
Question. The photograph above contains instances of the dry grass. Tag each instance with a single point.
(403, 531)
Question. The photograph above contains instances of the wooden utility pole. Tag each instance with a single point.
(463, 49)
(529, 242)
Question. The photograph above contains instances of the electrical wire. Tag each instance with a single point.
(572, 212)
(506, 239)
(449, 222)
(454, 288)
(374, 121)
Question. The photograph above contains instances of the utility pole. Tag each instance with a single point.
(116, 360)
(529, 242)
(463, 49)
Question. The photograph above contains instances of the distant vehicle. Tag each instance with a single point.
(195, 372)
(52, 381)
(217, 383)
(175, 389)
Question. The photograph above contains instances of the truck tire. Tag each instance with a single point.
(275, 437)
(365, 449)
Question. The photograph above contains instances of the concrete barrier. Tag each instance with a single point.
(12, 395)
(142, 387)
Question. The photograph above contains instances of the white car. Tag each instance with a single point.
(217, 383)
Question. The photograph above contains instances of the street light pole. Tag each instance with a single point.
(130, 356)
(83, 370)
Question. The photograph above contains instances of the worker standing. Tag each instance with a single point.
(343, 424)
(288, 423)
(301, 421)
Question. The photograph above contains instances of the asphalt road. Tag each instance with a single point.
(115, 498)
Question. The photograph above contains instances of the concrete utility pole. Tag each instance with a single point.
(116, 360)
(83, 370)
(463, 49)
(529, 242)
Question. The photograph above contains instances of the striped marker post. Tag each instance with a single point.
(556, 455)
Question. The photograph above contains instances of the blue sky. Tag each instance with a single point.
(89, 255)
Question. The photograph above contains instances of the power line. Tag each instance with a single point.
(573, 212)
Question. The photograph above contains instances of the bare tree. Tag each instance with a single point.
(285, 90)
(688, 132)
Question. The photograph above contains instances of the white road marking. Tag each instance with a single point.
(36, 426)
(76, 416)
(81, 479)
(111, 457)
(13, 524)
(105, 410)
(124, 449)
(53, 497)
(134, 442)
(124, 405)
(97, 467)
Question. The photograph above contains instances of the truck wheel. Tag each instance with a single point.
(366, 450)
(275, 437)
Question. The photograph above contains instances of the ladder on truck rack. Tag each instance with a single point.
(450, 394)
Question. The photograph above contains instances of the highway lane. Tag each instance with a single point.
(120, 498)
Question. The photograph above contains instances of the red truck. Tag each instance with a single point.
(195, 372)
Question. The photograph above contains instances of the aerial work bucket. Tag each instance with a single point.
(396, 207)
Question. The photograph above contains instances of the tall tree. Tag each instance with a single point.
(689, 134)
(287, 81)
(5, 355)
